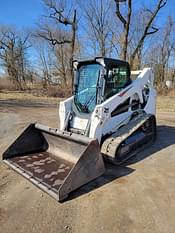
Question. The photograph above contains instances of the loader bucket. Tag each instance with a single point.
(56, 161)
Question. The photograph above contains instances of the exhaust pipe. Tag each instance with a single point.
(57, 162)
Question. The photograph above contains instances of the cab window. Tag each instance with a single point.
(117, 79)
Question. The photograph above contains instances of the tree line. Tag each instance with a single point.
(123, 29)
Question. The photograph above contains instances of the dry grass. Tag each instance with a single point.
(58, 91)
(24, 96)
(9, 90)
(165, 100)
(163, 91)
(166, 103)
(172, 93)
(5, 84)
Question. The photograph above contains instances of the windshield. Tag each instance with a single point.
(85, 95)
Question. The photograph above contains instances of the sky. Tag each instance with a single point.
(26, 13)
(21, 13)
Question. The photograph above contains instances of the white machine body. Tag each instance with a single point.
(100, 121)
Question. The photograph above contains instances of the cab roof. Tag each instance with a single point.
(105, 61)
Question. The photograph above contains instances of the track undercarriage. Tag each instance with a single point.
(139, 133)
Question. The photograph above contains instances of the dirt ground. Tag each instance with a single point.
(138, 197)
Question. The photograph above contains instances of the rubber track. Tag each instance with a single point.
(111, 144)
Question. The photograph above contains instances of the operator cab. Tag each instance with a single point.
(97, 80)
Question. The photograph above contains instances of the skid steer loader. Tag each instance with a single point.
(109, 117)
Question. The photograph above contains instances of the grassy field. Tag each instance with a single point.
(164, 103)
(26, 96)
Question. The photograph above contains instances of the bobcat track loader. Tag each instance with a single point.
(109, 117)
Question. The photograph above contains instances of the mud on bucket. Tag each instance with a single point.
(55, 161)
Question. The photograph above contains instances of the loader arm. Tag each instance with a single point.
(104, 121)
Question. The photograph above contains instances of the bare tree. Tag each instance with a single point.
(160, 54)
(148, 29)
(61, 65)
(126, 25)
(98, 15)
(13, 55)
(167, 46)
(43, 59)
(60, 37)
